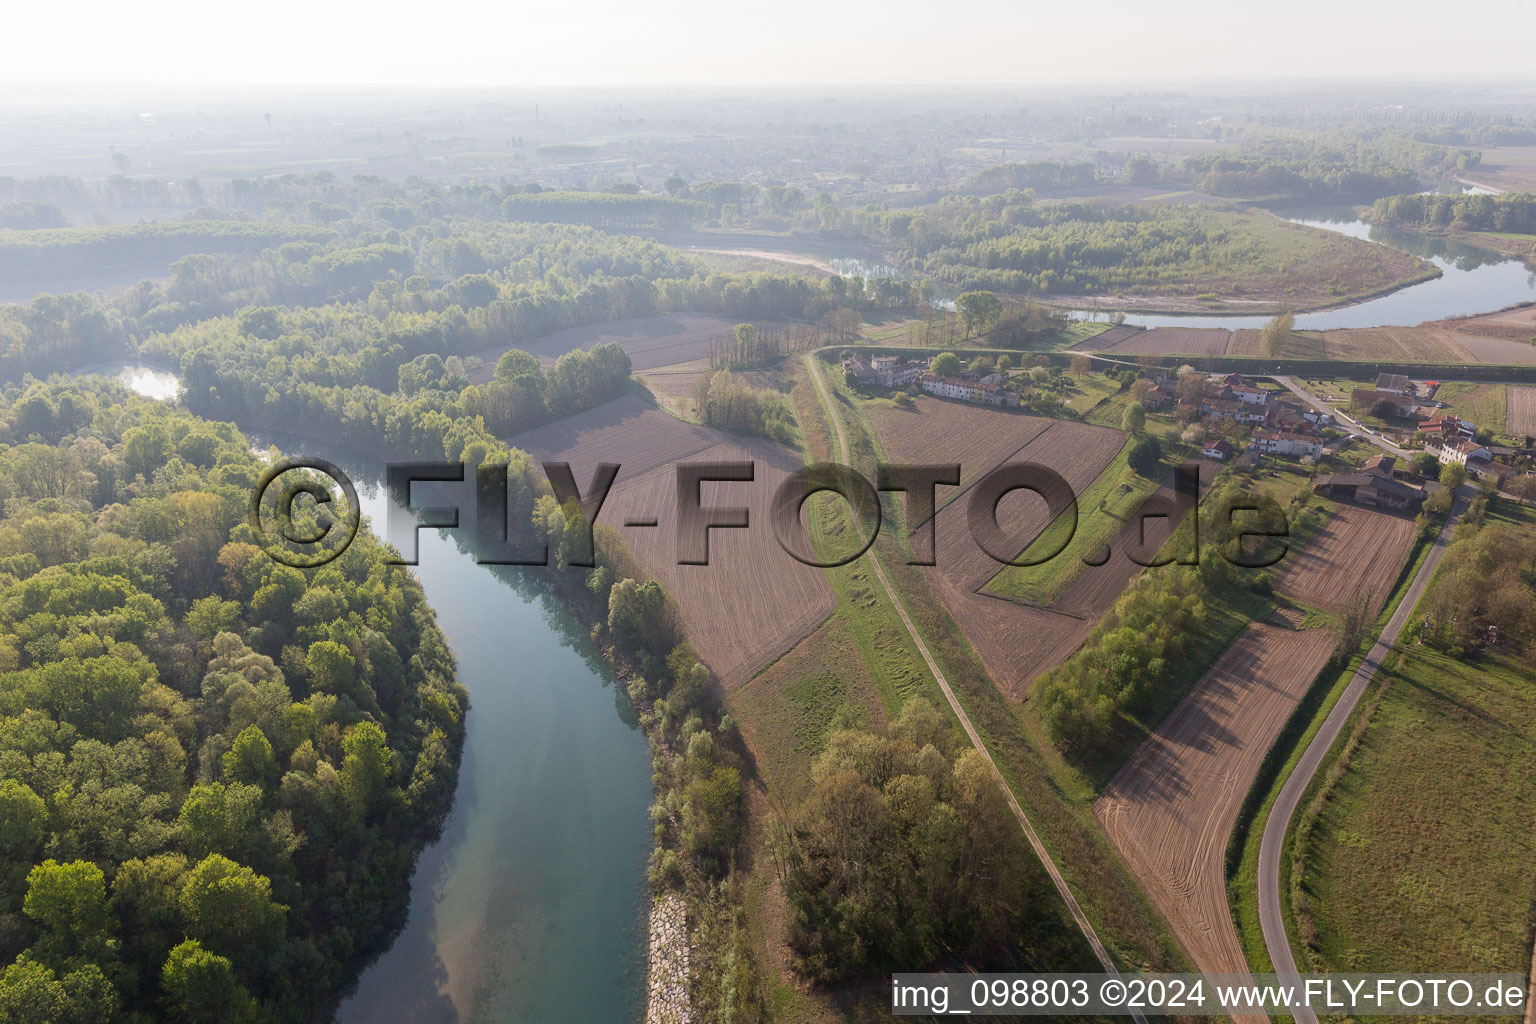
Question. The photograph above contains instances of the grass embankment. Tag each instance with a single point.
(860, 666)
(1103, 509)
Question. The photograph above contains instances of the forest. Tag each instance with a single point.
(1511, 212)
(216, 772)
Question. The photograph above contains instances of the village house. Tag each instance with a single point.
(1286, 443)
(1367, 399)
(968, 391)
(1231, 409)
(1218, 448)
(1458, 452)
(1157, 397)
(894, 373)
(1248, 393)
(1445, 429)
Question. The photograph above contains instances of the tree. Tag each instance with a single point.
(367, 765)
(249, 759)
(23, 821)
(946, 364)
(330, 667)
(1452, 476)
(1276, 336)
(229, 908)
(199, 986)
(978, 308)
(1522, 487)
(1145, 456)
(1135, 418)
(69, 901)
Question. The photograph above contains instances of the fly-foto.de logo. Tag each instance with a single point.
(307, 510)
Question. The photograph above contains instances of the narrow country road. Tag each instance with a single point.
(1355, 428)
(1272, 845)
(1083, 923)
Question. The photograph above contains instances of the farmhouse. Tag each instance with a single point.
(893, 373)
(1458, 452)
(1369, 489)
(1231, 409)
(966, 391)
(1364, 398)
(1395, 382)
(1284, 443)
(1157, 397)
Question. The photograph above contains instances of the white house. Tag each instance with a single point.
(1459, 452)
(1283, 443)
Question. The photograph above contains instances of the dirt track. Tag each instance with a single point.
(1171, 807)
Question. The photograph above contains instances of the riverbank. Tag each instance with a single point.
(667, 999)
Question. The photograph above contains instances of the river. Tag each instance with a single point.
(1471, 281)
(533, 904)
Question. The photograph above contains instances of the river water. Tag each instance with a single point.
(533, 905)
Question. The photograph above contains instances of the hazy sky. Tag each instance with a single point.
(557, 42)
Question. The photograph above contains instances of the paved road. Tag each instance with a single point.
(1272, 845)
(1083, 923)
(1352, 425)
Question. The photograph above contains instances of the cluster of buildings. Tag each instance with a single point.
(1281, 426)
(892, 372)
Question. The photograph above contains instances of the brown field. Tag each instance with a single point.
(1396, 344)
(1511, 168)
(1107, 340)
(1176, 341)
(1015, 642)
(1170, 809)
(753, 601)
(1520, 412)
(631, 431)
(651, 341)
(1244, 343)
(1158, 341)
(936, 430)
(1427, 343)
(1499, 350)
(1517, 323)
(1358, 550)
